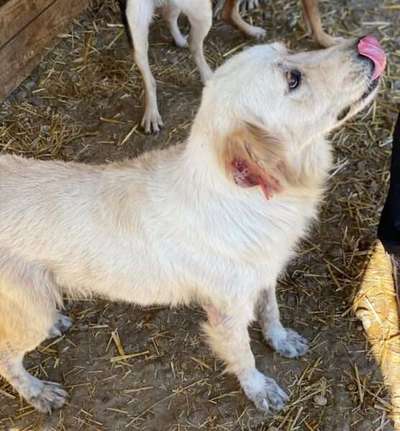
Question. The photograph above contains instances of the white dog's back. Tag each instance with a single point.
(102, 218)
(139, 230)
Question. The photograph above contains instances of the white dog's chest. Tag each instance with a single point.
(228, 250)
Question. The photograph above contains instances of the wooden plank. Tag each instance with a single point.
(17, 14)
(23, 52)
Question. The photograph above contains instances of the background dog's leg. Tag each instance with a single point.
(171, 15)
(285, 341)
(228, 336)
(313, 20)
(200, 19)
(231, 14)
(218, 8)
(138, 15)
(250, 4)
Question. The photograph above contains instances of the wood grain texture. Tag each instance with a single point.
(20, 54)
(17, 14)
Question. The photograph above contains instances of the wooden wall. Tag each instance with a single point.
(27, 27)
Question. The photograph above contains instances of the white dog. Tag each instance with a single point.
(213, 221)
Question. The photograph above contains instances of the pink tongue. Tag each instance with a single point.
(369, 47)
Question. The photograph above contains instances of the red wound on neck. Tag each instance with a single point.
(249, 174)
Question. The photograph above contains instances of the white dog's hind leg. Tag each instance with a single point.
(200, 18)
(28, 300)
(171, 15)
(138, 15)
(228, 336)
(285, 341)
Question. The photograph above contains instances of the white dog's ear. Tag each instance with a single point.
(253, 157)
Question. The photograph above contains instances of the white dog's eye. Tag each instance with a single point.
(293, 78)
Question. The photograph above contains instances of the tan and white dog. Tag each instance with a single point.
(230, 12)
(212, 221)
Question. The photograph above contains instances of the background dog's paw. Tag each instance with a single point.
(205, 73)
(289, 343)
(51, 396)
(265, 393)
(326, 41)
(181, 41)
(61, 325)
(152, 122)
(256, 32)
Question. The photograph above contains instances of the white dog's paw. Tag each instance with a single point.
(287, 342)
(152, 121)
(265, 393)
(47, 397)
(61, 325)
(256, 32)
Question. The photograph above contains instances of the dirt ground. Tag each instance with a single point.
(84, 102)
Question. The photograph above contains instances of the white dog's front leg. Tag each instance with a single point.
(44, 396)
(228, 336)
(61, 325)
(285, 341)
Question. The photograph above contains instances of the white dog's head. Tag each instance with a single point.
(266, 104)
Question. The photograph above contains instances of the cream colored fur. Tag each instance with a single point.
(172, 227)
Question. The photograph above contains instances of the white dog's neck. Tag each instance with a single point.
(201, 165)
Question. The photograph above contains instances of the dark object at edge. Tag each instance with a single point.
(389, 225)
